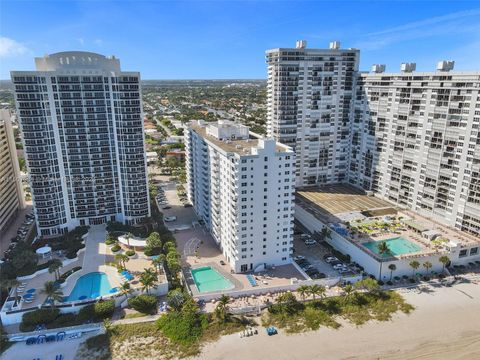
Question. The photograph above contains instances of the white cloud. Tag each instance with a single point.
(98, 42)
(11, 48)
(464, 22)
(81, 41)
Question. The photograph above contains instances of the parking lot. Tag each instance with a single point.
(317, 260)
(173, 208)
(19, 230)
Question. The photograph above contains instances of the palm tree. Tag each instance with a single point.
(392, 268)
(444, 260)
(128, 237)
(316, 290)
(221, 311)
(148, 279)
(53, 293)
(414, 265)
(125, 289)
(123, 259)
(158, 261)
(349, 292)
(303, 290)
(427, 265)
(382, 248)
(326, 233)
(54, 267)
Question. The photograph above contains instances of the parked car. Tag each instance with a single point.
(187, 205)
(305, 236)
(166, 207)
(330, 259)
(170, 218)
(310, 242)
(299, 257)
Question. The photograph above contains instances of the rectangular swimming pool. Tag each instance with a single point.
(208, 279)
(397, 246)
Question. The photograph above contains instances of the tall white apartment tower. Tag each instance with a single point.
(416, 141)
(242, 187)
(82, 124)
(11, 193)
(310, 102)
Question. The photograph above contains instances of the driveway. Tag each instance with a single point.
(185, 215)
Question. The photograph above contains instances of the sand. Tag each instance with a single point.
(444, 325)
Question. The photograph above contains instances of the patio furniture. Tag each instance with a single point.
(31, 291)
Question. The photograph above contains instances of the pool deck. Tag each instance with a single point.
(91, 259)
(209, 254)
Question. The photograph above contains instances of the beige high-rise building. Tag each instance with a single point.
(11, 193)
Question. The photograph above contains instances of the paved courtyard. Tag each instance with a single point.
(198, 248)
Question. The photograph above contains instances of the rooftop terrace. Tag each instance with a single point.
(238, 146)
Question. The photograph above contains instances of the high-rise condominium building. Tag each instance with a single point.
(310, 102)
(242, 187)
(82, 124)
(410, 137)
(11, 193)
(416, 141)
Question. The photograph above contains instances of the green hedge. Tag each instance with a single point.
(129, 252)
(146, 304)
(98, 311)
(40, 316)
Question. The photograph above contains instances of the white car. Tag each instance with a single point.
(339, 266)
(170, 218)
(310, 242)
(331, 259)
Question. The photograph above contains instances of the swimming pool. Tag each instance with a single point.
(397, 246)
(208, 279)
(91, 286)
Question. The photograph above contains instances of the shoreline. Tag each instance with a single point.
(444, 325)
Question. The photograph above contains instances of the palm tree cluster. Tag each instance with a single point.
(312, 290)
(148, 279)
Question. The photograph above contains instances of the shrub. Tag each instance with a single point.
(116, 248)
(183, 328)
(130, 252)
(144, 303)
(63, 320)
(40, 316)
(104, 309)
(98, 311)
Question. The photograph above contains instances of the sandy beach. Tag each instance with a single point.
(444, 325)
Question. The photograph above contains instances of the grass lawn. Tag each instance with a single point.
(359, 309)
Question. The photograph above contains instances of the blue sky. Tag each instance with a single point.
(228, 39)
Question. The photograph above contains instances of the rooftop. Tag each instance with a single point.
(239, 146)
(334, 203)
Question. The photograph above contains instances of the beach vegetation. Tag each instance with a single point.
(362, 302)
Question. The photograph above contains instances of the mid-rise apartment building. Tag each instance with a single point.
(310, 103)
(11, 192)
(242, 187)
(82, 124)
(416, 141)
